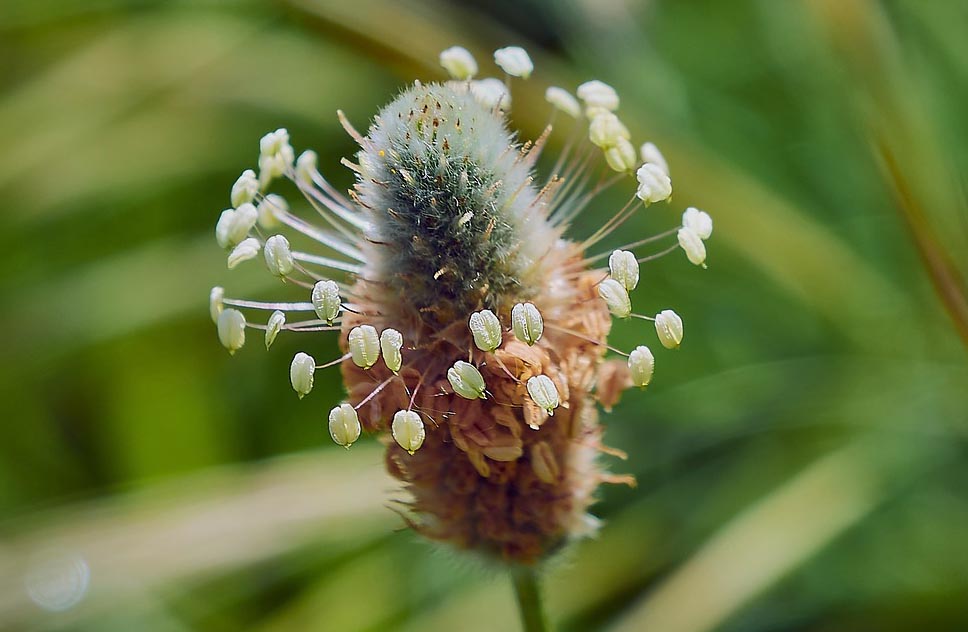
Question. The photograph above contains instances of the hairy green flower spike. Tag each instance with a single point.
(616, 297)
(449, 206)
(344, 425)
(364, 346)
(624, 268)
(408, 430)
(542, 390)
(486, 329)
(301, 373)
(391, 341)
(526, 323)
(668, 326)
(231, 329)
(326, 300)
(466, 380)
(641, 366)
(276, 322)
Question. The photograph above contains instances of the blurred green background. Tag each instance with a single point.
(801, 460)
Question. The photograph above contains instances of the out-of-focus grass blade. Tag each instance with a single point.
(203, 524)
(763, 543)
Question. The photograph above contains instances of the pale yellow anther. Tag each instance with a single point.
(245, 188)
(544, 393)
(641, 366)
(690, 242)
(621, 156)
(408, 430)
(215, 305)
(326, 300)
(616, 297)
(624, 268)
(562, 100)
(364, 344)
(526, 323)
(248, 249)
(698, 221)
(668, 326)
(278, 256)
(391, 341)
(301, 373)
(459, 63)
(466, 380)
(276, 322)
(344, 425)
(486, 329)
(231, 329)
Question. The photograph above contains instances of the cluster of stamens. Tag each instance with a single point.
(369, 335)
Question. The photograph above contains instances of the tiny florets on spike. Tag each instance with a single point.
(624, 268)
(276, 322)
(698, 221)
(231, 329)
(466, 380)
(690, 242)
(514, 60)
(654, 184)
(408, 430)
(668, 326)
(278, 256)
(544, 393)
(301, 373)
(391, 341)
(247, 249)
(641, 366)
(651, 154)
(486, 329)
(526, 323)
(344, 425)
(326, 300)
(616, 297)
(245, 188)
(459, 63)
(364, 346)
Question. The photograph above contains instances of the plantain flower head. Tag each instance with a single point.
(454, 260)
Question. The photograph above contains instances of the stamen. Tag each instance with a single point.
(334, 362)
(629, 246)
(327, 239)
(326, 262)
(285, 307)
(658, 254)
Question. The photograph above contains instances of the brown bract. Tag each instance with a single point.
(498, 475)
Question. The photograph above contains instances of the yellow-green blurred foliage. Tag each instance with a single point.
(801, 459)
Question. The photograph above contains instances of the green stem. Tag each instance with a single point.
(529, 599)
